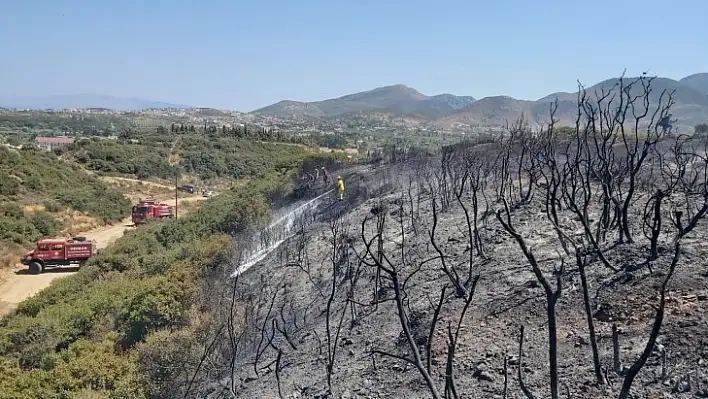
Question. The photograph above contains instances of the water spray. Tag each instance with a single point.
(265, 241)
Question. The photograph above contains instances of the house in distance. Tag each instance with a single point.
(50, 143)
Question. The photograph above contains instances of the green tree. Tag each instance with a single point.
(8, 184)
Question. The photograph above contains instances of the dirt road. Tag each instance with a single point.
(129, 180)
(21, 285)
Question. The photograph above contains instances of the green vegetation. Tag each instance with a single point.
(51, 123)
(338, 141)
(121, 326)
(201, 156)
(42, 183)
(210, 150)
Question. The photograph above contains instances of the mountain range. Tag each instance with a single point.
(447, 110)
(68, 101)
(394, 99)
(407, 105)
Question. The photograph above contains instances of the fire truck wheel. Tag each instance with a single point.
(35, 268)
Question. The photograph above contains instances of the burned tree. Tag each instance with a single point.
(552, 294)
(339, 258)
(576, 180)
(399, 269)
(515, 167)
(637, 148)
(469, 179)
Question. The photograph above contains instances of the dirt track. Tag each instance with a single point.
(20, 285)
(146, 182)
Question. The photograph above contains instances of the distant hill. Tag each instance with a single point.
(690, 106)
(403, 103)
(395, 98)
(65, 101)
(697, 82)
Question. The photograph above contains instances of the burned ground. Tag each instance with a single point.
(507, 297)
(530, 266)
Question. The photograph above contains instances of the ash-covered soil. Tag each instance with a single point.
(285, 348)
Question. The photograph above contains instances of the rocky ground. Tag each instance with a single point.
(507, 297)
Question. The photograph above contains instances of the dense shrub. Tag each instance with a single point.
(19, 228)
(9, 185)
(57, 123)
(32, 177)
(202, 156)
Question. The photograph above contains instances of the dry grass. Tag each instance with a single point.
(220, 185)
(9, 258)
(350, 151)
(33, 208)
(136, 189)
(75, 222)
(189, 206)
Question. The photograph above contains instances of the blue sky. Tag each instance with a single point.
(243, 55)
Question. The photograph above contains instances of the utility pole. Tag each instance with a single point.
(176, 190)
(174, 161)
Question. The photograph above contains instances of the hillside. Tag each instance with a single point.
(494, 111)
(201, 157)
(698, 81)
(421, 272)
(684, 94)
(111, 329)
(428, 273)
(64, 101)
(40, 195)
(446, 110)
(690, 106)
(395, 98)
(328, 304)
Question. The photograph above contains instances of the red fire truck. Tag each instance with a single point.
(52, 252)
(147, 209)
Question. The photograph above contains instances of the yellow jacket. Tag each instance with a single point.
(340, 184)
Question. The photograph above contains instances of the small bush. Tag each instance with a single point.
(8, 185)
(45, 224)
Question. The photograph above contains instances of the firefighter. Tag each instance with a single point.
(340, 187)
(666, 124)
(325, 176)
